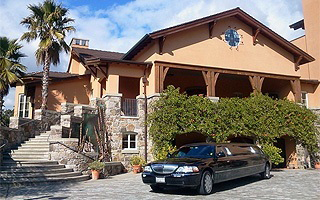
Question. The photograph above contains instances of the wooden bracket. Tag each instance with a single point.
(161, 43)
(94, 73)
(297, 63)
(211, 26)
(104, 72)
(162, 76)
(256, 83)
(255, 33)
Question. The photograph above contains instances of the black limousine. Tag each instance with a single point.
(200, 165)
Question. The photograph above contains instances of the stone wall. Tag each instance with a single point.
(64, 150)
(113, 168)
(118, 125)
(20, 130)
(47, 117)
(1, 149)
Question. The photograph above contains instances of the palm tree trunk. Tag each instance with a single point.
(1, 105)
(45, 81)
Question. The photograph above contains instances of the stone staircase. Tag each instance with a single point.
(30, 165)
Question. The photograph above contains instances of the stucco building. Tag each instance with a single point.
(229, 54)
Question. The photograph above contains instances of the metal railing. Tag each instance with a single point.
(129, 107)
(3, 144)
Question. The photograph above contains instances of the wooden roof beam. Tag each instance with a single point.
(161, 43)
(94, 73)
(104, 72)
(255, 33)
(297, 63)
(211, 26)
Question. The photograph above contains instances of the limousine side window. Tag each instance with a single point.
(251, 149)
(224, 151)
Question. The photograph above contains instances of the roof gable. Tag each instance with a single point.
(301, 56)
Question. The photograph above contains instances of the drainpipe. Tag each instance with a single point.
(145, 81)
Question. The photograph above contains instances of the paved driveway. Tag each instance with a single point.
(286, 184)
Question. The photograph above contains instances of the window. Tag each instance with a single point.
(129, 140)
(77, 42)
(201, 151)
(304, 99)
(83, 42)
(24, 102)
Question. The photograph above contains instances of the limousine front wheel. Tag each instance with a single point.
(266, 174)
(206, 184)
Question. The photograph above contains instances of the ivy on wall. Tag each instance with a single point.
(258, 117)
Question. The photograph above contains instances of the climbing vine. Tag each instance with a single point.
(258, 117)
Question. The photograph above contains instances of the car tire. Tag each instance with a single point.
(206, 183)
(156, 188)
(266, 174)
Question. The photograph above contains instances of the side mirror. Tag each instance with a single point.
(221, 154)
(169, 155)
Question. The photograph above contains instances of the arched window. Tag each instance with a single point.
(129, 140)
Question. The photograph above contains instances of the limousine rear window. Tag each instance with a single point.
(201, 151)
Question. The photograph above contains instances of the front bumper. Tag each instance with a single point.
(174, 179)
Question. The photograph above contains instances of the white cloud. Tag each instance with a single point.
(119, 27)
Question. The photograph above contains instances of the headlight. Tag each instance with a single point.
(147, 169)
(187, 169)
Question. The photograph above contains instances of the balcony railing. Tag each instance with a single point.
(129, 107)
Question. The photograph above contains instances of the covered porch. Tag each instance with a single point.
(222, 83)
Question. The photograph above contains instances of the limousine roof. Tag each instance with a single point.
(215, 144)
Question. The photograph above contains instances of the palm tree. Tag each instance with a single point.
(10, 68)
(49, 23)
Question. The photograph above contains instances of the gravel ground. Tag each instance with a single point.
(285, 184)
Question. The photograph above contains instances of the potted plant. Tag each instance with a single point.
(96, 167)
(136, 163)
(317, 165)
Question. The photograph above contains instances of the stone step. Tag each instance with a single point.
(35, 145)
(28, 162)
(30, 176)
(54, 169)
(15, 169)
(31, 150)
(44, 139)
(26, 157)
(50, 180)
(35, 142)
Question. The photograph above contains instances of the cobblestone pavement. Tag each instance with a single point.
(285, 184)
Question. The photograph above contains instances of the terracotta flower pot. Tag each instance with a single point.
(136, 168)
(95, 174)
(317, 165)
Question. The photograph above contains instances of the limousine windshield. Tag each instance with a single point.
(199, 151)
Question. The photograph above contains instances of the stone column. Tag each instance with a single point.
(303, 157)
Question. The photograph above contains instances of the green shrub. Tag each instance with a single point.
(258, 117)
(96, 165)
(273, 153)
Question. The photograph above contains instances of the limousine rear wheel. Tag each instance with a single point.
(206, 184)
(266, 174)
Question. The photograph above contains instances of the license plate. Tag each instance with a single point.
(160, 180)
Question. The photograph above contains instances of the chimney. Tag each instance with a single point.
(80, 43)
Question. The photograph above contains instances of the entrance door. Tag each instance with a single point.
(281, 143)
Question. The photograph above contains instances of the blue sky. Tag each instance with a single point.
(118, 25)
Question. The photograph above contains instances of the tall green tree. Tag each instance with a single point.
(49, 23)
(11, 70)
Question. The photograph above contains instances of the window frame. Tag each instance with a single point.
(306, 104)
(25, 103)
(128, 134)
